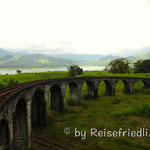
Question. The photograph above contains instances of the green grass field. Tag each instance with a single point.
(126, 111)
(25, 77)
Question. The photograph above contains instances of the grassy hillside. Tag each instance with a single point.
(138, 57)
(23, 59)
(34, 61)
(103, 61)
(80, 58)
(4, 52)
(6, 58)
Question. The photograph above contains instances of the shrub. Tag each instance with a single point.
(10, 81)
(18, 71)
(134, 110)
(74, 70)
(1, 85)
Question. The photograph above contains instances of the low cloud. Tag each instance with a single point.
(49, 48)
(131, 52)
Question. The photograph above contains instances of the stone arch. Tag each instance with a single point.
(67, 94)
(101, 88)
(84, 91)
(20, 129)
(109, 87)
(138, 84)
(38, 109)
(75, 94)
(4, 135)
(146, 84)
(126, 87)
(91, 91)
(56, 98)
(109, 90)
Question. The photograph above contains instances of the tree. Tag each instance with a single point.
(74, 70)
(18, 71)
(120, 65)
(142, 66)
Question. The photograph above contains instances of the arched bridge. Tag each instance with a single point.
(25, 105)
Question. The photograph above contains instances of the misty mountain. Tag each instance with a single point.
(88, 59)
(16, 53)
(133, 59)
(35, 61)
(107, 59)
(4, 52)
(20, 53)
(80, 58)
(133, 52)
(6, 57)
(103, 61)
(23, 59)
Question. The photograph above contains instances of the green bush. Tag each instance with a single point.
(10, 81)
(18, 71)
(74, 70)
(134, 110)
(1, 85)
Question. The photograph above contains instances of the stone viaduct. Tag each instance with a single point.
(25, 105)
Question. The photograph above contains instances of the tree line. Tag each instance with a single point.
(122, 65)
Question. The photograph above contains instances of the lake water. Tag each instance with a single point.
(13, 70)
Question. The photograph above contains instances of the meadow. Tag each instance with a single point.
(26, 77)
(126, 111)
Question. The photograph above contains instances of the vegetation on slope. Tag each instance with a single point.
(27, 60)
(36, 61)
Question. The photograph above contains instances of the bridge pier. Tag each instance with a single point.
(57, 98)
(128, 86)
(20, 128)
(146, 83)
(75, 96)
(4, 135)
(92, 89)
(38, 111)
(110, 88)
(63, 90)
(29, 124)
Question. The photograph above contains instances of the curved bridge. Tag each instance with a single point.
(25, 105)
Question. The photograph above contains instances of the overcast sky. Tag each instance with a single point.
(75, 26)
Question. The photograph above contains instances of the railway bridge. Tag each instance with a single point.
(25, 106)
